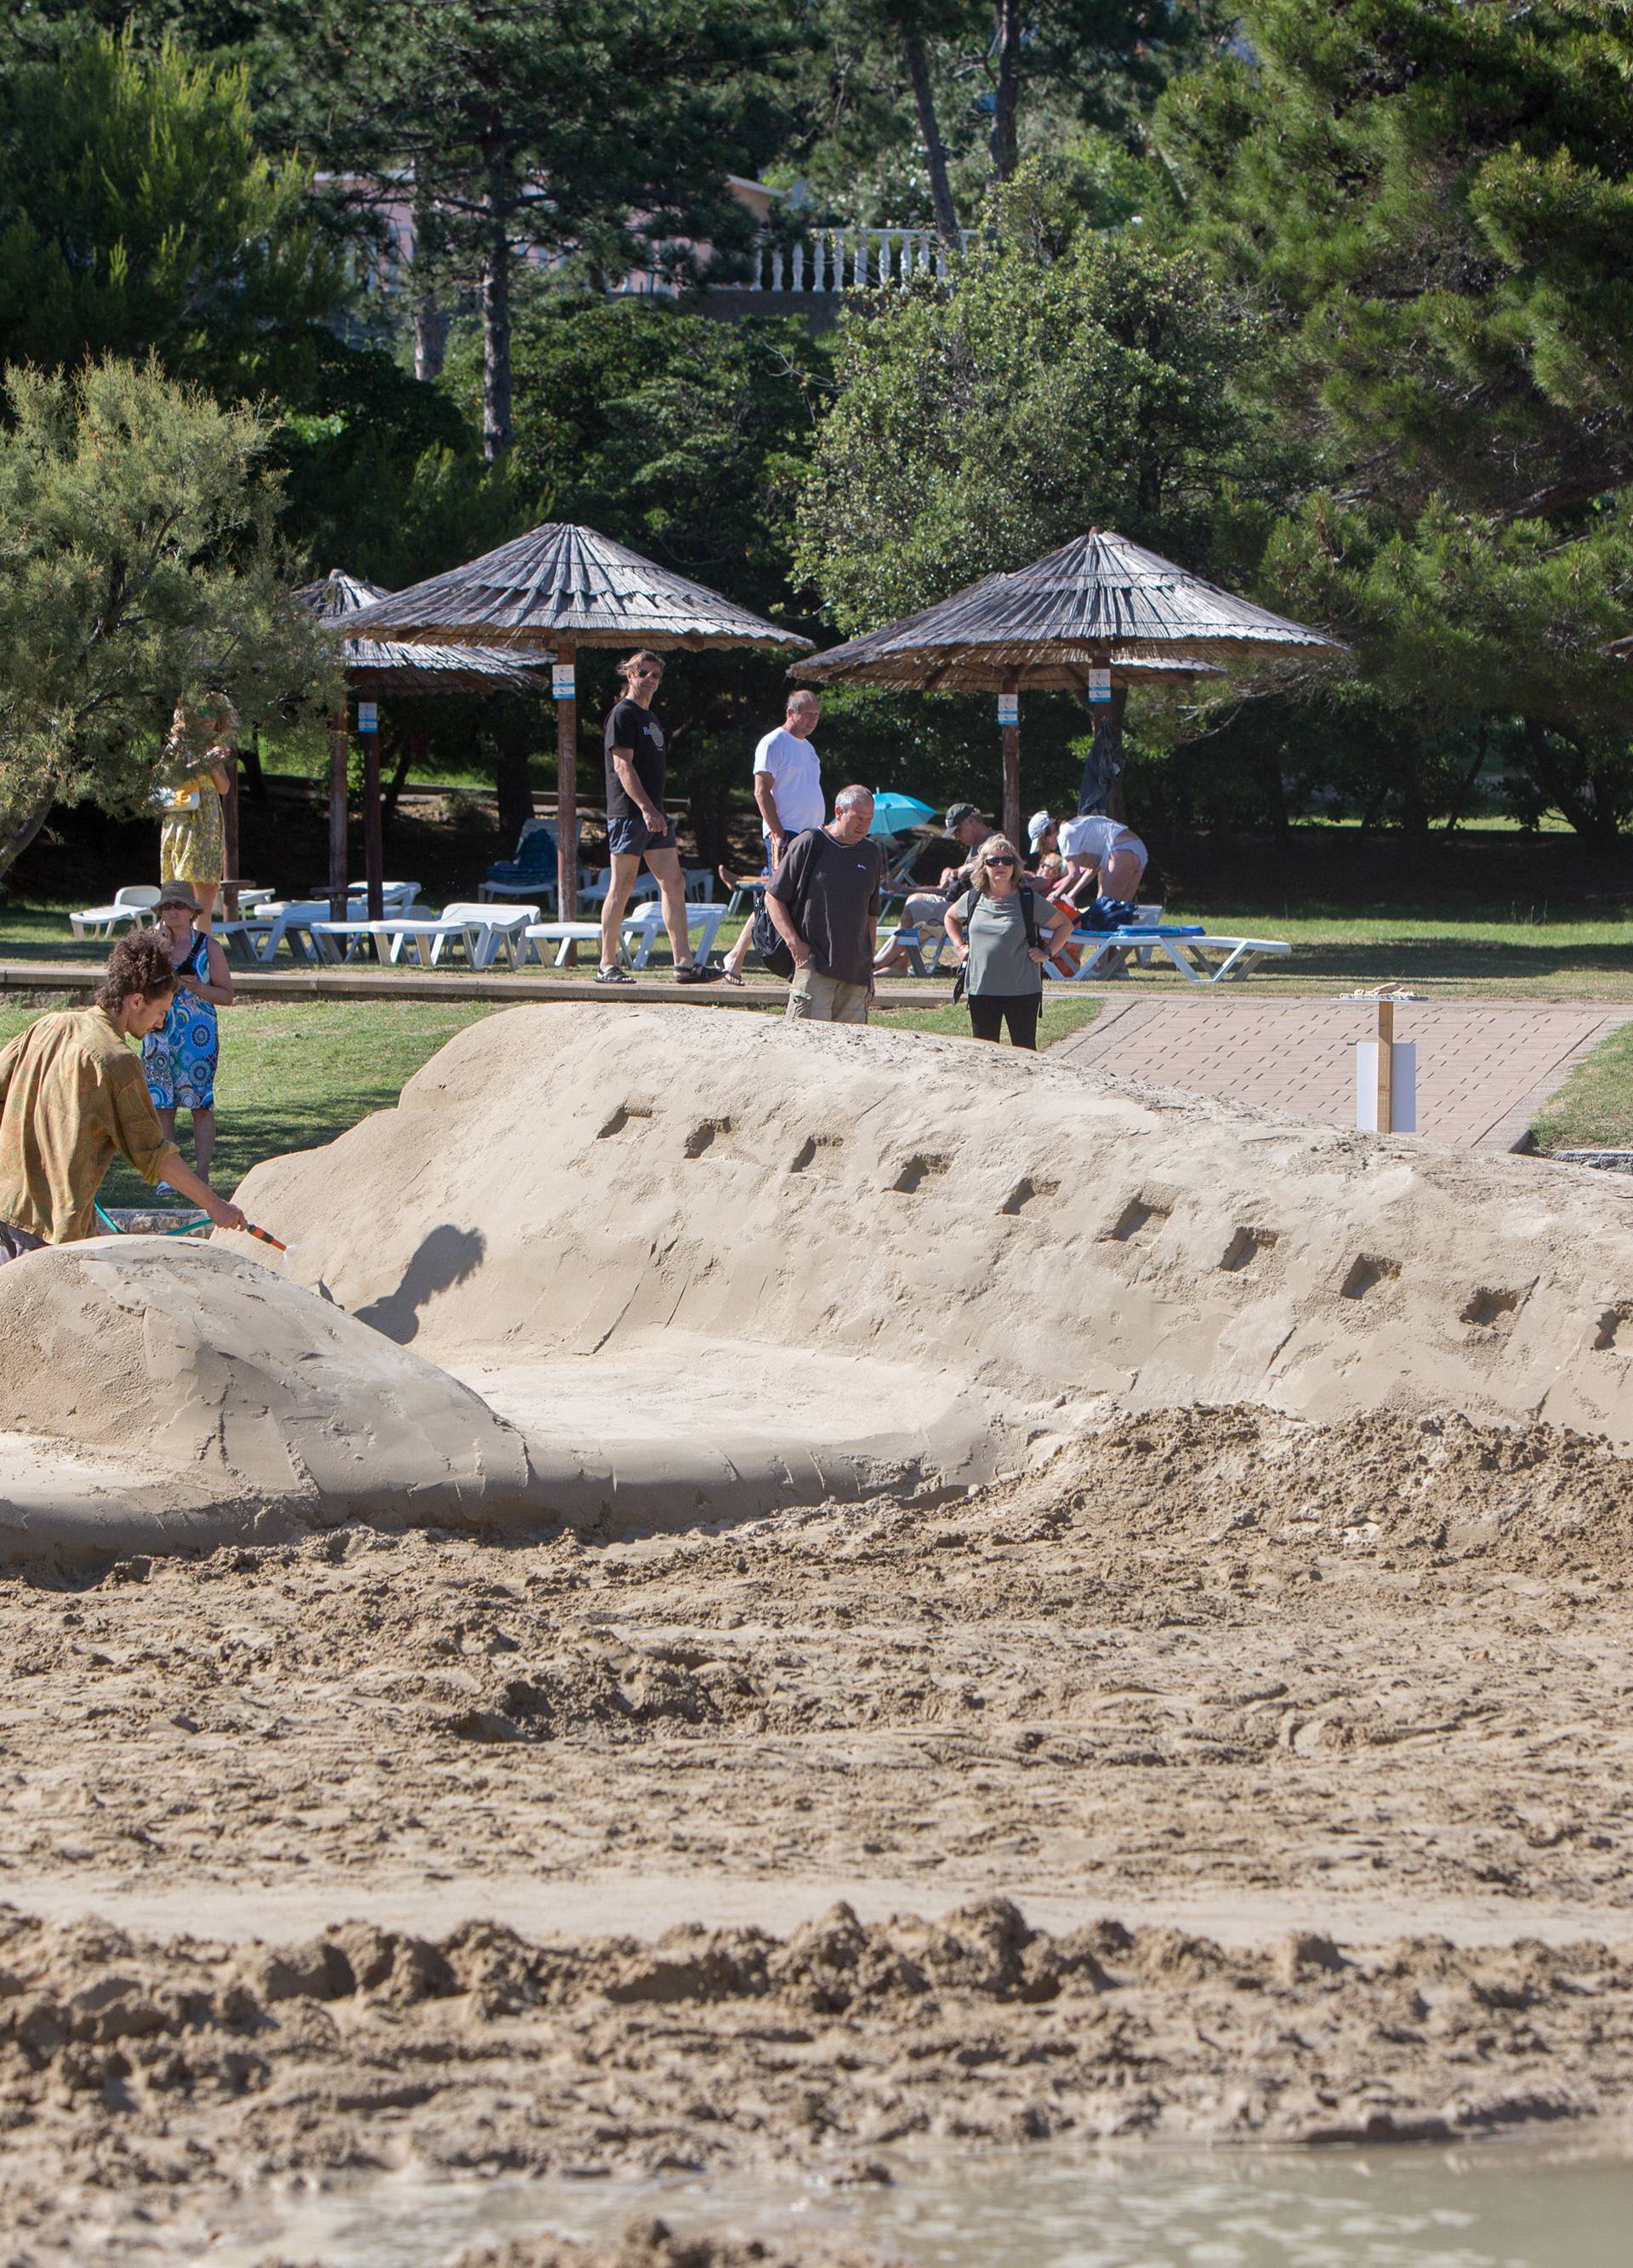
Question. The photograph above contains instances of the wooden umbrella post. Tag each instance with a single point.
(1009, 736)
(373, 841)
(337, 817)
(564, 684)
(230, 838)
(1116, 711)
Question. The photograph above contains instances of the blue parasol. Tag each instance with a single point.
(898, 814)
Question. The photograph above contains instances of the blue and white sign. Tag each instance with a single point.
(562, 681)
(1100, 685)
(368, 717)
(1009, 708)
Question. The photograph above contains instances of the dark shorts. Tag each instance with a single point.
(14, 1242)
(633, 838)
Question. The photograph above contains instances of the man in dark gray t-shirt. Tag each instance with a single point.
(824, 899)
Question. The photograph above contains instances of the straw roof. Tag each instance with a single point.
(1099, 602)
(560, 582)
(376, 667)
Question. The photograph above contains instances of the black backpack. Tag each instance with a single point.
(768, 940)
(972, 899)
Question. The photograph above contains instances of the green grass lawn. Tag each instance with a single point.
(1593, 1110)
(292, 1077)
(1518, 951)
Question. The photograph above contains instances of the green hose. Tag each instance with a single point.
(113, 1226)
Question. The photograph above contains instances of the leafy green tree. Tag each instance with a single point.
(685, 439)
(139, 218)
(571, 130)
(1067, 381)
(914, 107)
(138, 560)
(1433, 200)
(1428, 205)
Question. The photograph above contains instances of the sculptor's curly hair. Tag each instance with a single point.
(136, 964)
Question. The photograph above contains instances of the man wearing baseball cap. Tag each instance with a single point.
(1042, 837)
(925, 910)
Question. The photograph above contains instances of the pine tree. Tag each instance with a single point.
(1428, 204)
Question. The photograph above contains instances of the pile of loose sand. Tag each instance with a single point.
(1331, 1720)
(130, 2062)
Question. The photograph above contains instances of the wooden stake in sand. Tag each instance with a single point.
(1386, 1079)
(337, 817)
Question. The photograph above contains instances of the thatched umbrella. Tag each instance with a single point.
(374, 667)
(1094, 617)
(561, 587)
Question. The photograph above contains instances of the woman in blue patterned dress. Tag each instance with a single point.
(180, 1059)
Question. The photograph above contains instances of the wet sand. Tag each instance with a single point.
(1229, 1778)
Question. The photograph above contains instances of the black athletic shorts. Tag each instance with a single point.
(632, 838)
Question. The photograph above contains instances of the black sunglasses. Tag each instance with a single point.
(1000, 862)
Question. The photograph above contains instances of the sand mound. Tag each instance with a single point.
(685, 1237)
(158, 1397)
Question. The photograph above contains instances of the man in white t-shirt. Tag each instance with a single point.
(788, 778)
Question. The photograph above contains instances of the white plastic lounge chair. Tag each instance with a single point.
(1200, 957)
(132, 905)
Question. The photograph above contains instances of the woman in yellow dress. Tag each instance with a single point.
(192, 777)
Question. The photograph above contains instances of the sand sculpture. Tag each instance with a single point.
(641, 1268)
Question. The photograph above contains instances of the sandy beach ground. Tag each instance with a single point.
(1225, 1777)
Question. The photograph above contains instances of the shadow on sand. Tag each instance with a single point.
(445, 1257)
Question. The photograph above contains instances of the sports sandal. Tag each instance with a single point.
(613, 976)
(698, 972)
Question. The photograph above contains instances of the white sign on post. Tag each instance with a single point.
(562, 681)
(1402, 1086)
(368, 717)
(1009, 708)
(1100, 685)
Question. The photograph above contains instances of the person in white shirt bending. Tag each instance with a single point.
(788, 788)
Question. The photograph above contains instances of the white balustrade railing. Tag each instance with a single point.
(851, 259)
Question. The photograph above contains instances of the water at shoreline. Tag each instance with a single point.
(1522, 2204)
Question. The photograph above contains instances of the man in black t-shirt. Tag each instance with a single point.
(824, 898)
(636, 826)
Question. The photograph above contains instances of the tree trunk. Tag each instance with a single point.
(708, 806)
(512, 785)
(430, 325)
(1460, 801)
(494, 296)
(411, 751)
(254, 777)
(1006, 103)
(935, 148)
(1577, 811)
(430, 336)
(17, 839)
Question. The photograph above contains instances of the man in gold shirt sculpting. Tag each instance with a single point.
(73, 1096)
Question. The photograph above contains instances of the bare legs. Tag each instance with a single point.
(665, 867)
(203, 1137)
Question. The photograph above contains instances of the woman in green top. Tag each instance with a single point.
(1004, 930)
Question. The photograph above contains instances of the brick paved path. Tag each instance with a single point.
(1483, 1071)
